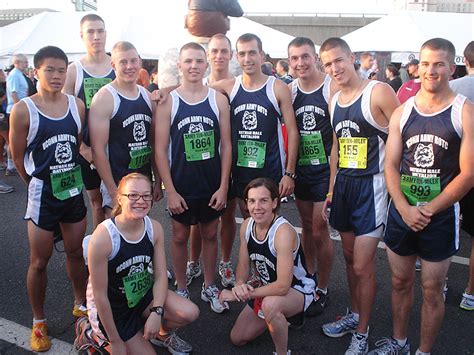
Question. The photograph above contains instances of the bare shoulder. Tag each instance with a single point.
(224, 85)
(100, 243)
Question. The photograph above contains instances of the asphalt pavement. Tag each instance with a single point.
(210, 333)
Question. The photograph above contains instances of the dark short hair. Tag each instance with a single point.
(300, 42)
(49, 52)
(469, 53)
(392, 69)
(364, 55)
(335, 42)
(284, 64)
(441, 44)
(192, 45)
(92, 17)
(248, 37)
(269, 184)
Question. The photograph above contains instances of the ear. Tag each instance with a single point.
(452, 69)
(274, 204)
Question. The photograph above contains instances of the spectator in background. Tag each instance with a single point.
(411, 87)
(366, 63)
(373, 76)
(267, 68)
(17, 89)
(393, 77)
(143, 78)
(282, 68)
(154, 80)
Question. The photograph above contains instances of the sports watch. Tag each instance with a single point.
(158, 310)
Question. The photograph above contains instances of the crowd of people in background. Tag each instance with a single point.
(215, 142)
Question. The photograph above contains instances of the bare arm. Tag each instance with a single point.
(464, 181)
(70, 83)
(99, 249)
(99, 127)
(162, 123)
(284, 100)
(160, 286)
(219, 198)
(81, 108)
(19, 127)
(383, 102)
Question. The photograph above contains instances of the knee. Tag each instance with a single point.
(237, 338)
(39, 264)
(270, 309)
(432, 293)
(180, 240)
(402, 282)
(209, 237)
(349, 257)
(192, 313)
(363, 271)
(306, 223)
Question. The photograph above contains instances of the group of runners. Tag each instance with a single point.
(216, 143)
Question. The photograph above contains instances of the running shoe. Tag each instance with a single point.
(5, 189)
(358, 346)
(183, 293)
(287, 353)
(193, 271)
(389, 346)
(342, 326)
(467, 302)
(418, 264)
(226, 273)
(11, 172)
(39, 337)
(79, 310)
(445, 289)
(211, 295)
(173, 343)
(320, 302)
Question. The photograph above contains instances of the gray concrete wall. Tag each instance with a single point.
(317, 27)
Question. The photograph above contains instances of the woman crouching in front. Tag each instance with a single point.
(285, 289)
(127, 266)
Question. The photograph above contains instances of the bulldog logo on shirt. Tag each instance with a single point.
(139, 131)
(262, 271)
(309, 121)
(194, 128)
(346, 133)
(424, 155)
(249, 120)
(63, 153)
(136, 269)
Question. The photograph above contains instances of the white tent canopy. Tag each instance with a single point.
(404, 32)
(152, 34)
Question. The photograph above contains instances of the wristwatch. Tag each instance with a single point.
(291, 175)
(158, 310)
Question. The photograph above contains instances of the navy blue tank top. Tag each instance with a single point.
(129, 147)
(90, 84)
(52, 143)
(264, 256)
(193, 151)
(431, 144)
(314, 125)
(361, 138)
(257, 140)
(130, 267)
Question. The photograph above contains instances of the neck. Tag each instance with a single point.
(96, 57)
(127, 224)
(253, 81)
(125, 86)
(217, 75)
(470, 71)
(48, 96)
(354, 83)
(312, 81)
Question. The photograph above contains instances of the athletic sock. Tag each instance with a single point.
(419, 352)
(36, 321)
(401, 343)
(355, 316)
(323, 290)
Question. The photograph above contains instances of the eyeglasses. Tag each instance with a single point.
(136, 197)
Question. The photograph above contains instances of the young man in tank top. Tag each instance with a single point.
(84, 78)
(120, 125)
(360, 113)
(429, 167)
(310, 94)
(258, 103)
(193, 155)
(219, 54)
(45, 137)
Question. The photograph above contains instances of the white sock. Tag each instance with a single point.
(355, 316)
(323, 290)
(419, 352)
(36, 321)
(401, 343)
(10, 164)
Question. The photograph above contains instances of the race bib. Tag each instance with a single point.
(418, 190)
(251, 154)
(311, 150)
(199, 145)
(353, 153)
(136, 286)
(139, 157)
(91, 86)
(67, 184)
